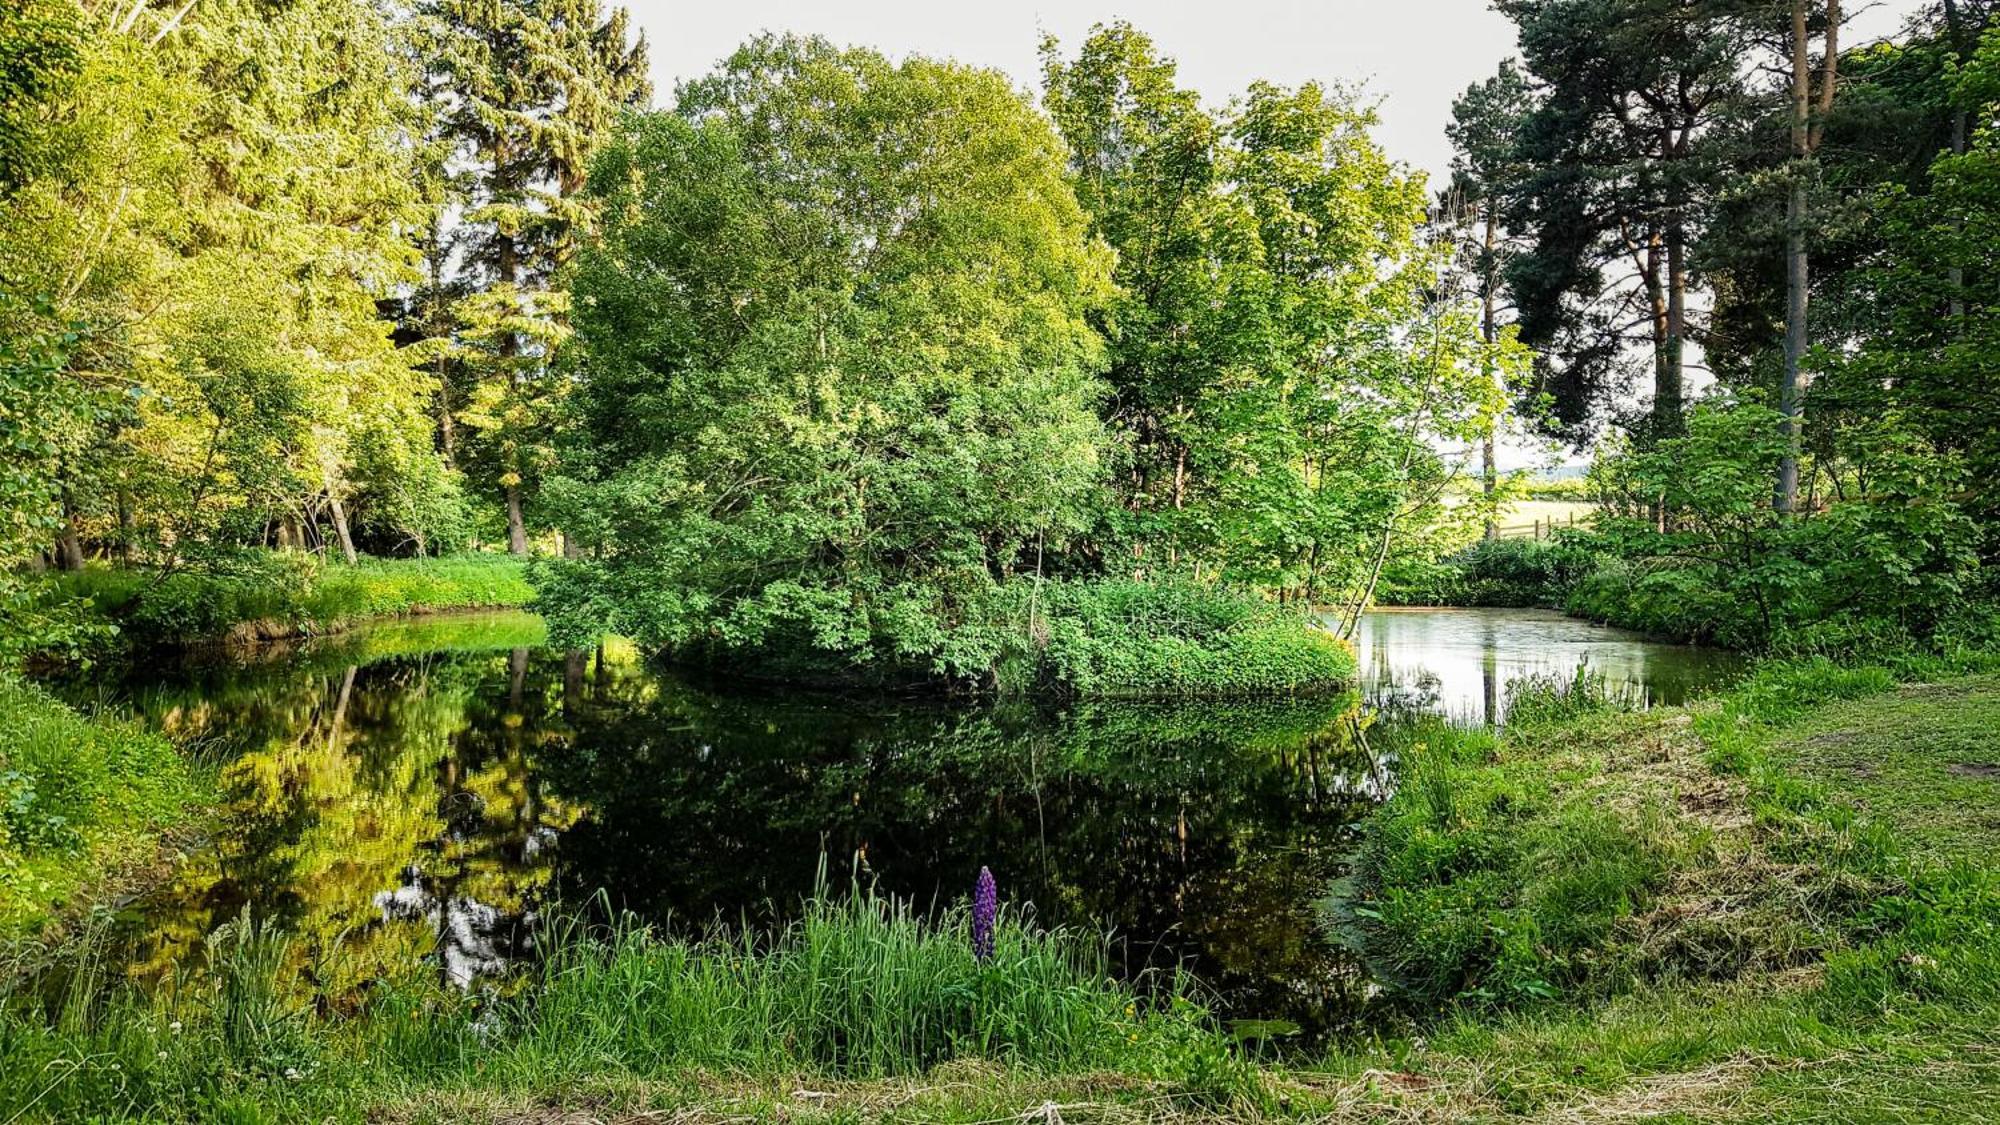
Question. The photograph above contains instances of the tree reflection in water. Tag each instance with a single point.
(426, 808)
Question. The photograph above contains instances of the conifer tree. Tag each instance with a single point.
(525, 90)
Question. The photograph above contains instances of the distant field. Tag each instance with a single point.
(1519, 518)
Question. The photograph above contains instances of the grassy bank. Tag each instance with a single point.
(1095, 638)
(860, 989)
(267, 596)
(1776, 905)
(83, 800)
(1113, 639)
(1704, 913)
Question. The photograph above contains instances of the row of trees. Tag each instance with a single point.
(1658, 173)
(1655, 174)
(865, 343)
(841, 349)
(282, 272)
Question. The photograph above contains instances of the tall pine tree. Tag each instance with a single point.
(524, 90)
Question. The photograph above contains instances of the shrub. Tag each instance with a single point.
(1115, 638)
(1493, 572)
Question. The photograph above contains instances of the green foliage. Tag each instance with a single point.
(227, 373)
(523, 93)
(1492, 572)
(41, 49)
(836, 389)
(1898, 563)
(76, 793)
(1284, 347)
(1113, 639)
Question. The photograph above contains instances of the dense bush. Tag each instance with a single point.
(1112, 638)
(1492, 572)
(1894, 562)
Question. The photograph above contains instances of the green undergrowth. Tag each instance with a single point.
(265, 595)
(860, 988)
(82, 798)
(1492, 572)
(1702, 914)
(1110, 638)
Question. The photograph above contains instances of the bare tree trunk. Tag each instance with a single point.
(124, 524)
(1667, 388)
(69, 541)
(1961, 46)
(1798, 272)
(341, 530)
(1489, 331)
(447, 426)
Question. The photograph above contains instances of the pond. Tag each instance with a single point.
(430, 789)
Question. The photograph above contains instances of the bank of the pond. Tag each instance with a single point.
(1777, 905)
(1097, 638)
(1737, 910)
(102, 610)
(85, 800)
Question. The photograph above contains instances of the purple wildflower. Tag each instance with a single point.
(985, 909)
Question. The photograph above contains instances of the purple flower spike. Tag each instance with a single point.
(985, 909)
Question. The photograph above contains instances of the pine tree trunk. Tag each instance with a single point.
(1959, 127)
(1798, 275)
(1796, 278)
(1667, 389)
(1489, 331)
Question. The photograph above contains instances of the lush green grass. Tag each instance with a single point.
(1924, 759)
(81, 799)
(1108, 638)
(267, 595)
(859, 988)
(1743, 936)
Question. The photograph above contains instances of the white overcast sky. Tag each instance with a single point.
(1414, 55)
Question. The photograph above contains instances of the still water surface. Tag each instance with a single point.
(427, 791)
